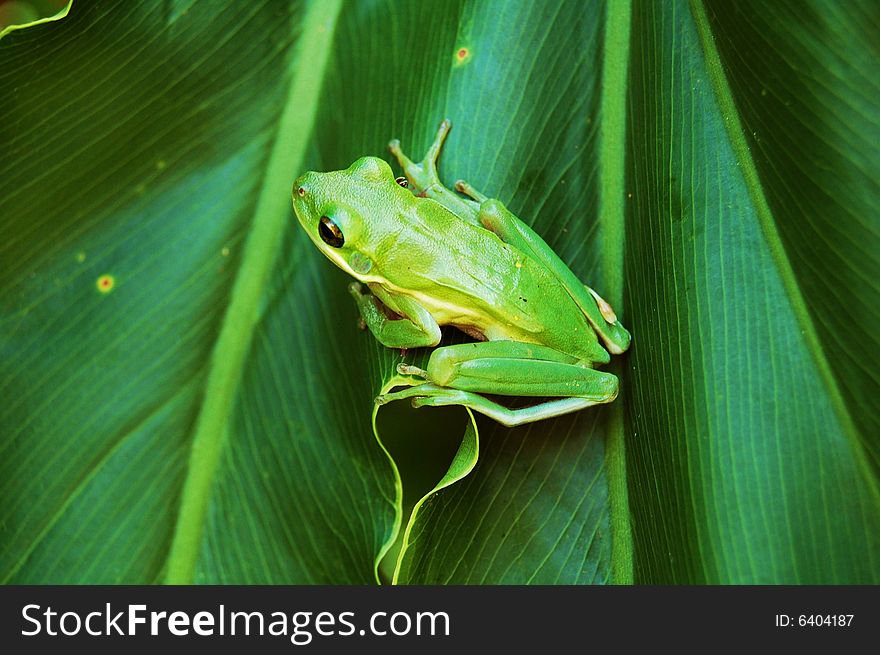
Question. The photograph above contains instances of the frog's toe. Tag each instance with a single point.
(385, 398)
(408, 369)
(464, 187)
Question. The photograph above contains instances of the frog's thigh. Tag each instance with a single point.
(496, 217)
(515, 369)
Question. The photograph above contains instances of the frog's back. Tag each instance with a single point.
(492, 289)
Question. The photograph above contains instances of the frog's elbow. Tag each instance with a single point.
(620, 343)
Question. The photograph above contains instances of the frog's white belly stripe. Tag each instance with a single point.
(428, 302)
(444, 312)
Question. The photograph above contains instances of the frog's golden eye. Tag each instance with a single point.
(401, 181)
(330, 233)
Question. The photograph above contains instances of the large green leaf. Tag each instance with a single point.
(186, 395)
(747, 463)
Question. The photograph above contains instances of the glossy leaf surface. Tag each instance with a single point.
(185, 394)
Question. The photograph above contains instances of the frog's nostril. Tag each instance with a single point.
(301, 185)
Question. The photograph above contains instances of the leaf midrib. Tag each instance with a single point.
(727, 106)
(243, 313)
(612, 185)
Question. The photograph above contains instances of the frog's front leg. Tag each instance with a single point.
(457, 375)
(395, 322)
(425, 182)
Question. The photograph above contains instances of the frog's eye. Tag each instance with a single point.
(401, 181)
(330, 233)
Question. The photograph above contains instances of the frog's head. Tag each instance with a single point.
(346, 213)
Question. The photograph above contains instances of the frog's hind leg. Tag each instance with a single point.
(442, 396)
(496, 217)
(458, 375)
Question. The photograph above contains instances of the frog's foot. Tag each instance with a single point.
(463, 187)
(413, 392)
(432, 395)
(422, 176)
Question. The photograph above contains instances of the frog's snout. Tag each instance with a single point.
(303, 188)
(301, 185)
